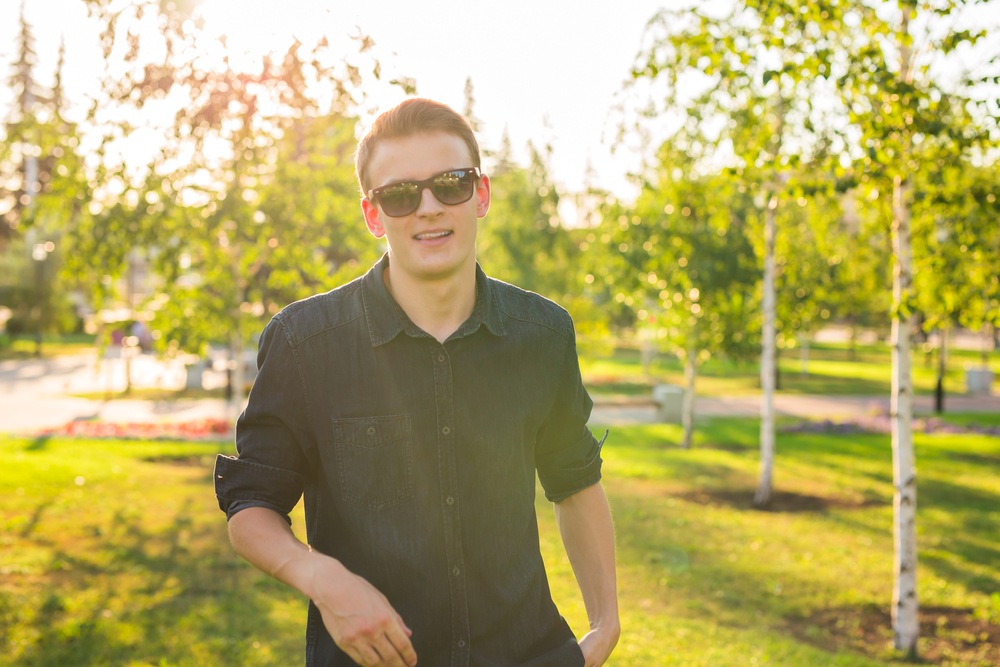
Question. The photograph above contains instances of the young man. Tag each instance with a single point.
(412, 408)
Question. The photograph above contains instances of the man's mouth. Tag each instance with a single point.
(428, 236)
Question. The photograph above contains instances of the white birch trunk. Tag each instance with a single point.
(687, 401)
(765, 485)
(905, 607)
(803, 355)
(905, 626)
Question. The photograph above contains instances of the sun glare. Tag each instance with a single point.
(253, 29)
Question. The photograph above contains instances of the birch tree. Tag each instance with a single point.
(899, 94)
(745, 83)
(905, 110)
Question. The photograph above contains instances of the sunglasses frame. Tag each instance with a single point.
(374, 195)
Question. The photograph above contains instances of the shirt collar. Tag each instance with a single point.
(386, 318)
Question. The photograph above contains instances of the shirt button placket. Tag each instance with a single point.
(444, 400)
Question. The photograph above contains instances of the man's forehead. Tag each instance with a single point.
(417, 156)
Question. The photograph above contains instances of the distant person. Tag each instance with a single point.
(412, 408)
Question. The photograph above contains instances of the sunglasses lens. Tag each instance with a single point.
(401, 199)
(450, 188)
(454, 187)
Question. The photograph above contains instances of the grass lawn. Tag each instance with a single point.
(114, 553)
(23, 347)
(832, 369)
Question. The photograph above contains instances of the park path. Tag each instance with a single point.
(39, 394)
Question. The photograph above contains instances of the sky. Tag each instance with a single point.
(545, 71)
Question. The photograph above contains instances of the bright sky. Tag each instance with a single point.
(548, 71)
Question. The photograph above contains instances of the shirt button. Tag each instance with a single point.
(441, 358)
(371, 430)
(461, 643)
(446, 430)
(450, 500)
(456, 572)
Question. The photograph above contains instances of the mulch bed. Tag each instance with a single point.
(948, 635)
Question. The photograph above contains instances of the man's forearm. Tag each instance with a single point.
(588, 534)
(358, 617)
(263, 538)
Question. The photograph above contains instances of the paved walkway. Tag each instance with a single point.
(39, 394)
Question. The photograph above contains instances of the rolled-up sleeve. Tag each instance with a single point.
(568, 457)
(271, 468)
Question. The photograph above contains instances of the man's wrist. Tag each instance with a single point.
(302, 570)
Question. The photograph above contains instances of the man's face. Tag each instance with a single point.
(437, 241)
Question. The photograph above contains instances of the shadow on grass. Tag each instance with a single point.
(689, 528)
(781, 501)
(138, 589)
(39, 443)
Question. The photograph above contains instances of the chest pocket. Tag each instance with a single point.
(374, 460)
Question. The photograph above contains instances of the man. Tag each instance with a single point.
(412, 408)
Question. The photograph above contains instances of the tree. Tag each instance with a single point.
(889, 98)
(255, 163)
(42, 188)
(956, 245)
(905, 115)
(687, 265)
(744, 84)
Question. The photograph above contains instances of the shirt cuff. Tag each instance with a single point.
(562, 483)
(240, 484)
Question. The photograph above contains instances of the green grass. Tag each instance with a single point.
(23, 347)
(115, 553)
(832, 369)
(154, 394)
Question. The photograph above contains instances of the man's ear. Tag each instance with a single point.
(483, 196)
(372, 219)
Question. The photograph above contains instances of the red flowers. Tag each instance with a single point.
(202, 429)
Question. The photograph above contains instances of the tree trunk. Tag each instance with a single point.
(803, 355)
(905, 625)
(687, 401)
(768, 365)
(941, 369)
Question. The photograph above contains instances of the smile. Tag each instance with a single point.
(427, 236)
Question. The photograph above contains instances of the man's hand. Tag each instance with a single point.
(597, 646)
(358, 617)
(361, 620)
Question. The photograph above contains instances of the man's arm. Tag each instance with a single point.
(358, 617)
(589, 537)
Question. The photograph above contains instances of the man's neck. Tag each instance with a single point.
(438, 307)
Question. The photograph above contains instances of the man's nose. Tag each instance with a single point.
(429, 205)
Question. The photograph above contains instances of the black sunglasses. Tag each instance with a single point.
(452, 187)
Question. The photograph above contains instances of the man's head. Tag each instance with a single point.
(411, 117)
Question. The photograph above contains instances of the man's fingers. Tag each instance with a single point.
(363, 655)
(381, 653)
(398, 637)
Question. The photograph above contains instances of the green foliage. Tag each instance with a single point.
(42, 190)
(956, 244)
(790, 93)
(689, 262)
(522, 240)
(249, 202)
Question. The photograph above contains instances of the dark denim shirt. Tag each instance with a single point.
(417, 461)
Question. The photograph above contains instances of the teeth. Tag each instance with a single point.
(432, 235)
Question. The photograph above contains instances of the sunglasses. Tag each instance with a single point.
(452, 187)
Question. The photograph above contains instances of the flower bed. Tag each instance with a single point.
(202, 429)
